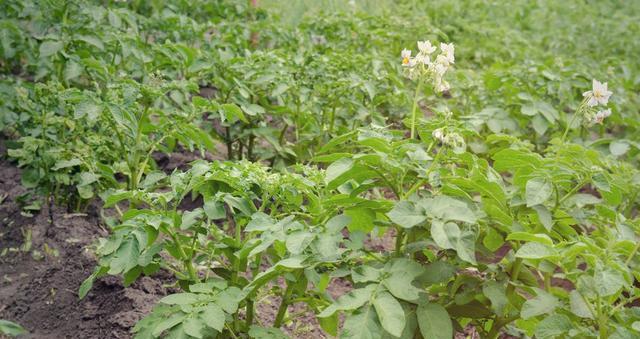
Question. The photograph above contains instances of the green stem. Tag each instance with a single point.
(427, 172)
(250, 304)
(186, 261)
(282, 310)
(566, 131)
(515, 271)
(399, 239)
(602, 321)
(498, 324)
(332, 118)
(573, 119)
(415, 110)
(229, 143)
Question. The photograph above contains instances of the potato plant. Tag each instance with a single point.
(496, 158)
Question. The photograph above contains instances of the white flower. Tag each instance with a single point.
(442, 85)
(426, 47)
(422, 58)
(441, 65)
(406, 56)
(599, 94)
(438, 134)
(601, 115)
(448, 52)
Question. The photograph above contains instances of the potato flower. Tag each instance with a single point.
(601, 115)
(598, 95)
(448, 52)
(425, 47)
(438, 134)
(406, 57)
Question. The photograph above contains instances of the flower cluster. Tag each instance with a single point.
(422, 67)
(598, 95)
(453, 140)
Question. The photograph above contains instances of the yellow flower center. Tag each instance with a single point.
(405, 60)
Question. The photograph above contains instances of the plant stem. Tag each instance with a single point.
(250, 304)
(602, 321)
(186, 261)
(282, 310)
(415, 110)
(229, 143)
(332, 119)
(573, 118)
(515, 271)
(566, 131)
(399, 238)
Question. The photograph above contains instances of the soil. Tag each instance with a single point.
(43, 260)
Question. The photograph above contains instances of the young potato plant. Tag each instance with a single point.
(250, 228)
(540, 245)
(84, 140)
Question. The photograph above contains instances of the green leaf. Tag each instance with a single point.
(619, 147)
(361, 219)
(10, 328)
(168, 323)
(553, 326)
(350, 301)
(60, 164)
(448, 236)
(531, 237)
(337, 223)
(608, 281)
(493, 239)
(194, 327)
(125, 258)
(447, 209)
(579, 305)
(233, 113)
(258, 332)
(544, 216)
(336, 169)
(72, 70)
(298, 241)
(541, 304)
(537, 191)
(89, 109)
(445, 235)
(535, 250)
(49, 48)
(434, 321)
(365, 273)
(496, 293)
(330, 324)
(362, 325)
(400, 276)
(180, 299)
(92, 40)
(213, 316)
(214, 209)
(390, 313)
(190, 218)
(437, 272)
(405, 214)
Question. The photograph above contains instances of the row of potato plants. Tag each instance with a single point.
(512, 241)
(525, 234)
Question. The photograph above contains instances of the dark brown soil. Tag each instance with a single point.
(43, 261)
